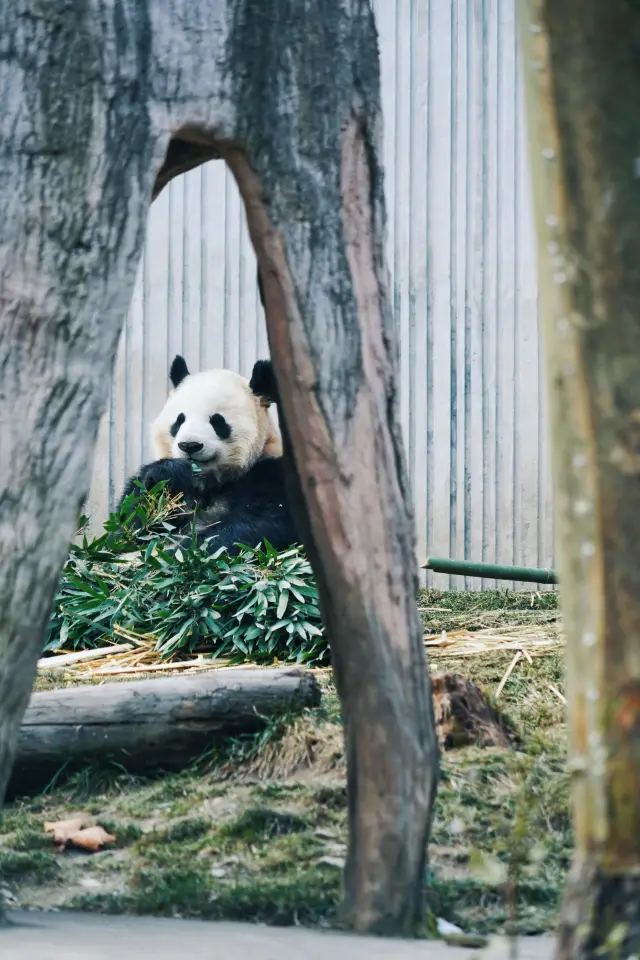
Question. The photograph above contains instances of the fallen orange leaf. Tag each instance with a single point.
(91, 838)
(63, 830)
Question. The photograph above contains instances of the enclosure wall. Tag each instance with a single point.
(461, 253)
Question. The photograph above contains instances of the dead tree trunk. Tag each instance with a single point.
(583, 74)
(151, 725)
(99, 112)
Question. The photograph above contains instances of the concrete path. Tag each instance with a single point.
(75, 936)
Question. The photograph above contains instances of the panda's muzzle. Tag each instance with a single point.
(190, 447)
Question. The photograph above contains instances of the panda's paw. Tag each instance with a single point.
(175, 473)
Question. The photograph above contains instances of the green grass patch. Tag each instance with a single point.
(18, 865)
(477, 610)
(303, 897)
(250, 833)
(263, 823)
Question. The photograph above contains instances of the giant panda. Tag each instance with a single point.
(216, 443)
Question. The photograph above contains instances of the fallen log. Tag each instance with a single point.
(148, 725)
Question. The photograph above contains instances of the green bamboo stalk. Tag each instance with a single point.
(490, 571)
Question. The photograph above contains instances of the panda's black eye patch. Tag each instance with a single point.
(220, 426)
(176, 426)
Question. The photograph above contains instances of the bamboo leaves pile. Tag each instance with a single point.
(259, 606)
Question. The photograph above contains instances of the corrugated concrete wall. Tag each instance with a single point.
(462, 256)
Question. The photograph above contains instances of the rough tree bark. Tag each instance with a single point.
(583, 77)
(100, 106)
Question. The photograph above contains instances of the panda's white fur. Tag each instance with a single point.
(200, 396)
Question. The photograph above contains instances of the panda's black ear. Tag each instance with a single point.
(263, 382)
(178, 371)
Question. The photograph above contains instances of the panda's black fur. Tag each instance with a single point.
(249, 508)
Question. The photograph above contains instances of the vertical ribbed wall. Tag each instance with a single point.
(462, 257)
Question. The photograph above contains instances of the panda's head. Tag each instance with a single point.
(218, 419)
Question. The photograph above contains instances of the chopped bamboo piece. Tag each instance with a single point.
(149, 668)
(63, 660)
(508, 673)
(557, 692)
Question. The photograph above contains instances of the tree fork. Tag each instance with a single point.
(583, 87)
(155, 91)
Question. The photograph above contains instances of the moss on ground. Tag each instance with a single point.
(257, 830)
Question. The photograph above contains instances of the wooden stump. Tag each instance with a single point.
(464, 717)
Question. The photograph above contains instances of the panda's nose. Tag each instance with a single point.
(190, 447)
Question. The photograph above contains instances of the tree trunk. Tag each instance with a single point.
(99, 110)
(151, 724)
(78, 157)
(329, 325)
(583, 77)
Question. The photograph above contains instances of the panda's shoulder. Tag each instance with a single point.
(264, 477)
(266, 472)
(267, 467)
